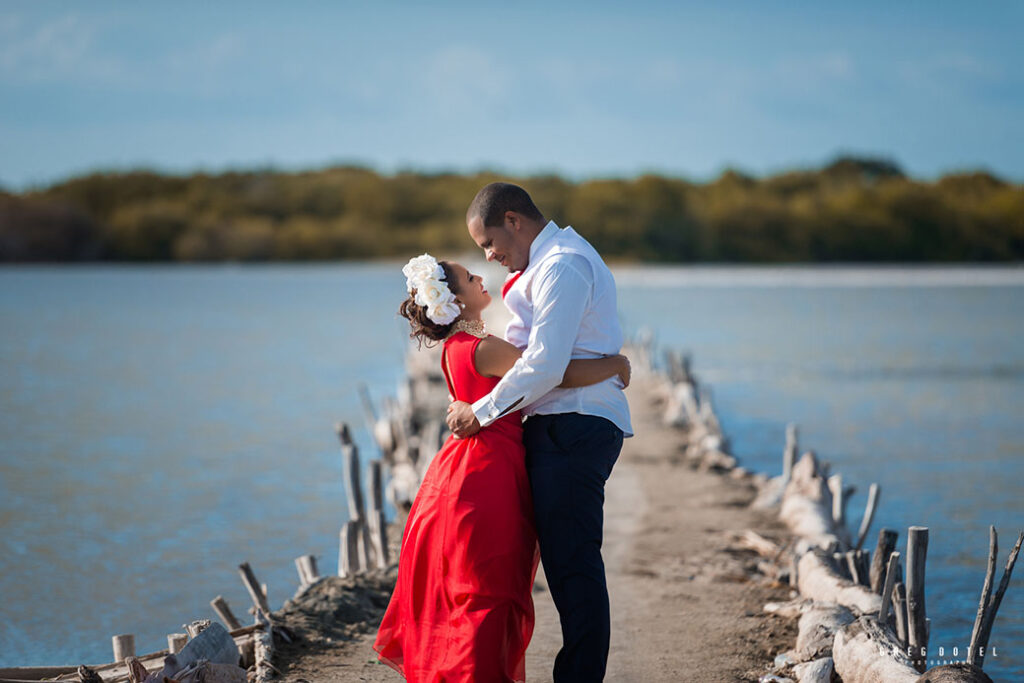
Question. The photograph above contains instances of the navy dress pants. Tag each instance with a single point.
(569, 457)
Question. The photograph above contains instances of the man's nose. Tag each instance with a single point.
(490, 254)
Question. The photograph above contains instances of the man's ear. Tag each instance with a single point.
(512, 220)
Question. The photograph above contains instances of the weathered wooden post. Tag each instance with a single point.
(377, 523)
(259, 598)
(354, 492)
(917, 554)
(306, 566)
(899, 606)
(353, 487)
(220, 606)
(890, 580)
(835, 485)
(124, 646)
(869, 515)
(883, 550)
(348, 555)
(988, 607)
(789, 453)
(850, 557)
(176, 641)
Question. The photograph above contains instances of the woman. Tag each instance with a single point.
(462, 608)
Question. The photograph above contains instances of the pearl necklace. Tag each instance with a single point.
(473, 327)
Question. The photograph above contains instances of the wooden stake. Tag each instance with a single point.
(220, 606)
(136, 671)
(259, 598)
(978, 648)
(176, 641)
(869, 515)
(306, 566)
(917, 553)
(883, 550)
(835, 485)
(124, 646)
(351, 470)
(899, 605)
(890, 581)
(789, 452)
(863, 567)
(377, 525)
(986, 595)
(348, 556)
(850, 557)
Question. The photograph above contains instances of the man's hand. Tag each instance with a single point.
(461, 420)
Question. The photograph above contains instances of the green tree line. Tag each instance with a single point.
(850, 210)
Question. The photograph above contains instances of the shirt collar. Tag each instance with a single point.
(543, 236)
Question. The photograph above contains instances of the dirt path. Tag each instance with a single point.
(684, 607)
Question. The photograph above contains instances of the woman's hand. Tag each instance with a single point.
(625, 371)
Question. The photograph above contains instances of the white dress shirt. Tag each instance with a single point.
(563, 307)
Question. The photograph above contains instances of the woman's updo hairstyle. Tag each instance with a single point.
(424, 330)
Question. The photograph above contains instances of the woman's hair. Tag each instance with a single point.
(425, 330)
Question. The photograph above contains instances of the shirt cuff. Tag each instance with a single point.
(485, 411)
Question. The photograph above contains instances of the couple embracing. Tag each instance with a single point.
(502, 488)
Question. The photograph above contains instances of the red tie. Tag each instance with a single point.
(508, 284)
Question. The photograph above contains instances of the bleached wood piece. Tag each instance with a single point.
(264, 649)
(789, 452)
(220, 606)
(883, 550)
(258, 595)
(758, 543)
(993, 605)
(348, 558)
(351, 471)
(807, 505)
(917, 554)
(124, 646)
(890, 582)
(817, 628)
(176, 641)
(866, 652)
(819, 582)
(817, 671)
(306, 566)
(899, 605)
(869, 515)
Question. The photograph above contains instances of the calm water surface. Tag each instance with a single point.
(161, 424)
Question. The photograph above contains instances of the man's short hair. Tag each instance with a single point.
(491, 203)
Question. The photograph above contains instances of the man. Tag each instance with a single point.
(563, 304)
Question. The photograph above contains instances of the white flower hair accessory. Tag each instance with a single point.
(425, 277)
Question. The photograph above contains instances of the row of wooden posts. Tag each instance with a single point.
(407, 431)
(363, 547)
(853, 604)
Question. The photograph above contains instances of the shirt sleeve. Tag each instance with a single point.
(561, 294)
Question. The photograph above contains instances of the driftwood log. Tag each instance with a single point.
(867, 652)
(817, 580)
(807, 504)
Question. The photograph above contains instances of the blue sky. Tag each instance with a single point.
(585, 89)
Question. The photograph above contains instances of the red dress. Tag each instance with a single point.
(462, 609)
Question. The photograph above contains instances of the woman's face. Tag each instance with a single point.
(471, 292)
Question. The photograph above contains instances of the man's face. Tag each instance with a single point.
(500, 243)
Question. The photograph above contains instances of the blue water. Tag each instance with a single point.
(161, 424)
(910, 378)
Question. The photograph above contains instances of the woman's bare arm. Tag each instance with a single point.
(495, 356)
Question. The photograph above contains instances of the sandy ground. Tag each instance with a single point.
(686, 604)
